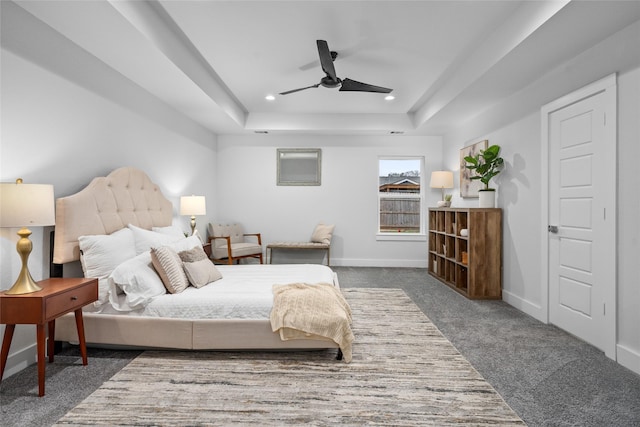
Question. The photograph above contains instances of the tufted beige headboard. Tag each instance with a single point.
(107, 204)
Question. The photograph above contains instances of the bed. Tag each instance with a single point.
(231, 312)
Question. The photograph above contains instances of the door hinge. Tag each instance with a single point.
(604, 309)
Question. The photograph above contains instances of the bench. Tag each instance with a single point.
(299, 246)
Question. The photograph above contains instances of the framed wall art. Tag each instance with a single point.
(469, 187)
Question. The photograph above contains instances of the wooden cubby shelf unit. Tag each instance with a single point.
(471, 264)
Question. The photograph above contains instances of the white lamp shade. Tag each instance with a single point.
(25, 205)
(441, 179)
(193, 205)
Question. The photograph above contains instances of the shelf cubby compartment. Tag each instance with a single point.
(440, 267)
(450, 271)
(449, 220)
(449, 248)
(440, 243)
(460, 249)
(461, 277)
(433, 221)
(433, 263)
(461, 222)
(432, 242)
(440, 221)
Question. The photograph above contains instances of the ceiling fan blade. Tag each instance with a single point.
(299, 89)
(326, 60)
(355, 86)
(316, 62)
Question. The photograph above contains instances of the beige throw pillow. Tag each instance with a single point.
(199, 268)
(322, 233)
(169, 267)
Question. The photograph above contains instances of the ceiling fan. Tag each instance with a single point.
(331, 80)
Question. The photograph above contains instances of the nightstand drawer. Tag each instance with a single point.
(71, 300)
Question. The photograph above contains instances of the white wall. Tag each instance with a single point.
(347, 197)
(519, 196)
(64, 129)
(519, 192)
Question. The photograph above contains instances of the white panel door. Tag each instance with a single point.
(581, 188)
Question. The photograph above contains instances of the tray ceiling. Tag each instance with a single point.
(215, 61)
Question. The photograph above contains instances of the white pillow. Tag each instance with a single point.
(147, 239)
(171, 230)
(322, 233)
(138, 280)
(103, 292)
(185, 244)
(101, 254)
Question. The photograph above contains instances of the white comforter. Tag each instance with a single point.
(244, 292)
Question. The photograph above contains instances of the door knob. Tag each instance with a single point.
(552, 228)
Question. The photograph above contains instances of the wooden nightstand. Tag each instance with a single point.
(57, 297)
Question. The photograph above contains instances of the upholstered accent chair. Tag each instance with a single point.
(230, 243)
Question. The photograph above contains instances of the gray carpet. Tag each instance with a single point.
(67, 383)
(547, 376)
(403, 372)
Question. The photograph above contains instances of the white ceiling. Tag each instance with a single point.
(215, 61)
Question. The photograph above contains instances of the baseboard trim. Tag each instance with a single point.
(407, 263)
(628, 358)
(523, 305)
(20, 359)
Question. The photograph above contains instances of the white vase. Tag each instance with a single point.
(487, 198)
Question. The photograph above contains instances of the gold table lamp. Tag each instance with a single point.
(22, 206)
(193, 205)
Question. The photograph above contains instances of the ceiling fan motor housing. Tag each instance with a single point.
(330, 83)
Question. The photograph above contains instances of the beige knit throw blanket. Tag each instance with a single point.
(312, 312)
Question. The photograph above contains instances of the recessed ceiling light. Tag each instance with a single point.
(389, 98)
(270, 98)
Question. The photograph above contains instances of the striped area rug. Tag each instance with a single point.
(404, 372)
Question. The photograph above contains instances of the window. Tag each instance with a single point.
(400, 196)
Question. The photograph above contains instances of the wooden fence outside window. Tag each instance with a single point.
(400, 212)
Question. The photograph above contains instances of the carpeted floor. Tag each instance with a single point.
(548, 377)
(403, 372)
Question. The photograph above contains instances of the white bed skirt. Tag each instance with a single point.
(153, 332)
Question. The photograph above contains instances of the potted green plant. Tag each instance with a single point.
(485, 165)
(446, 202)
